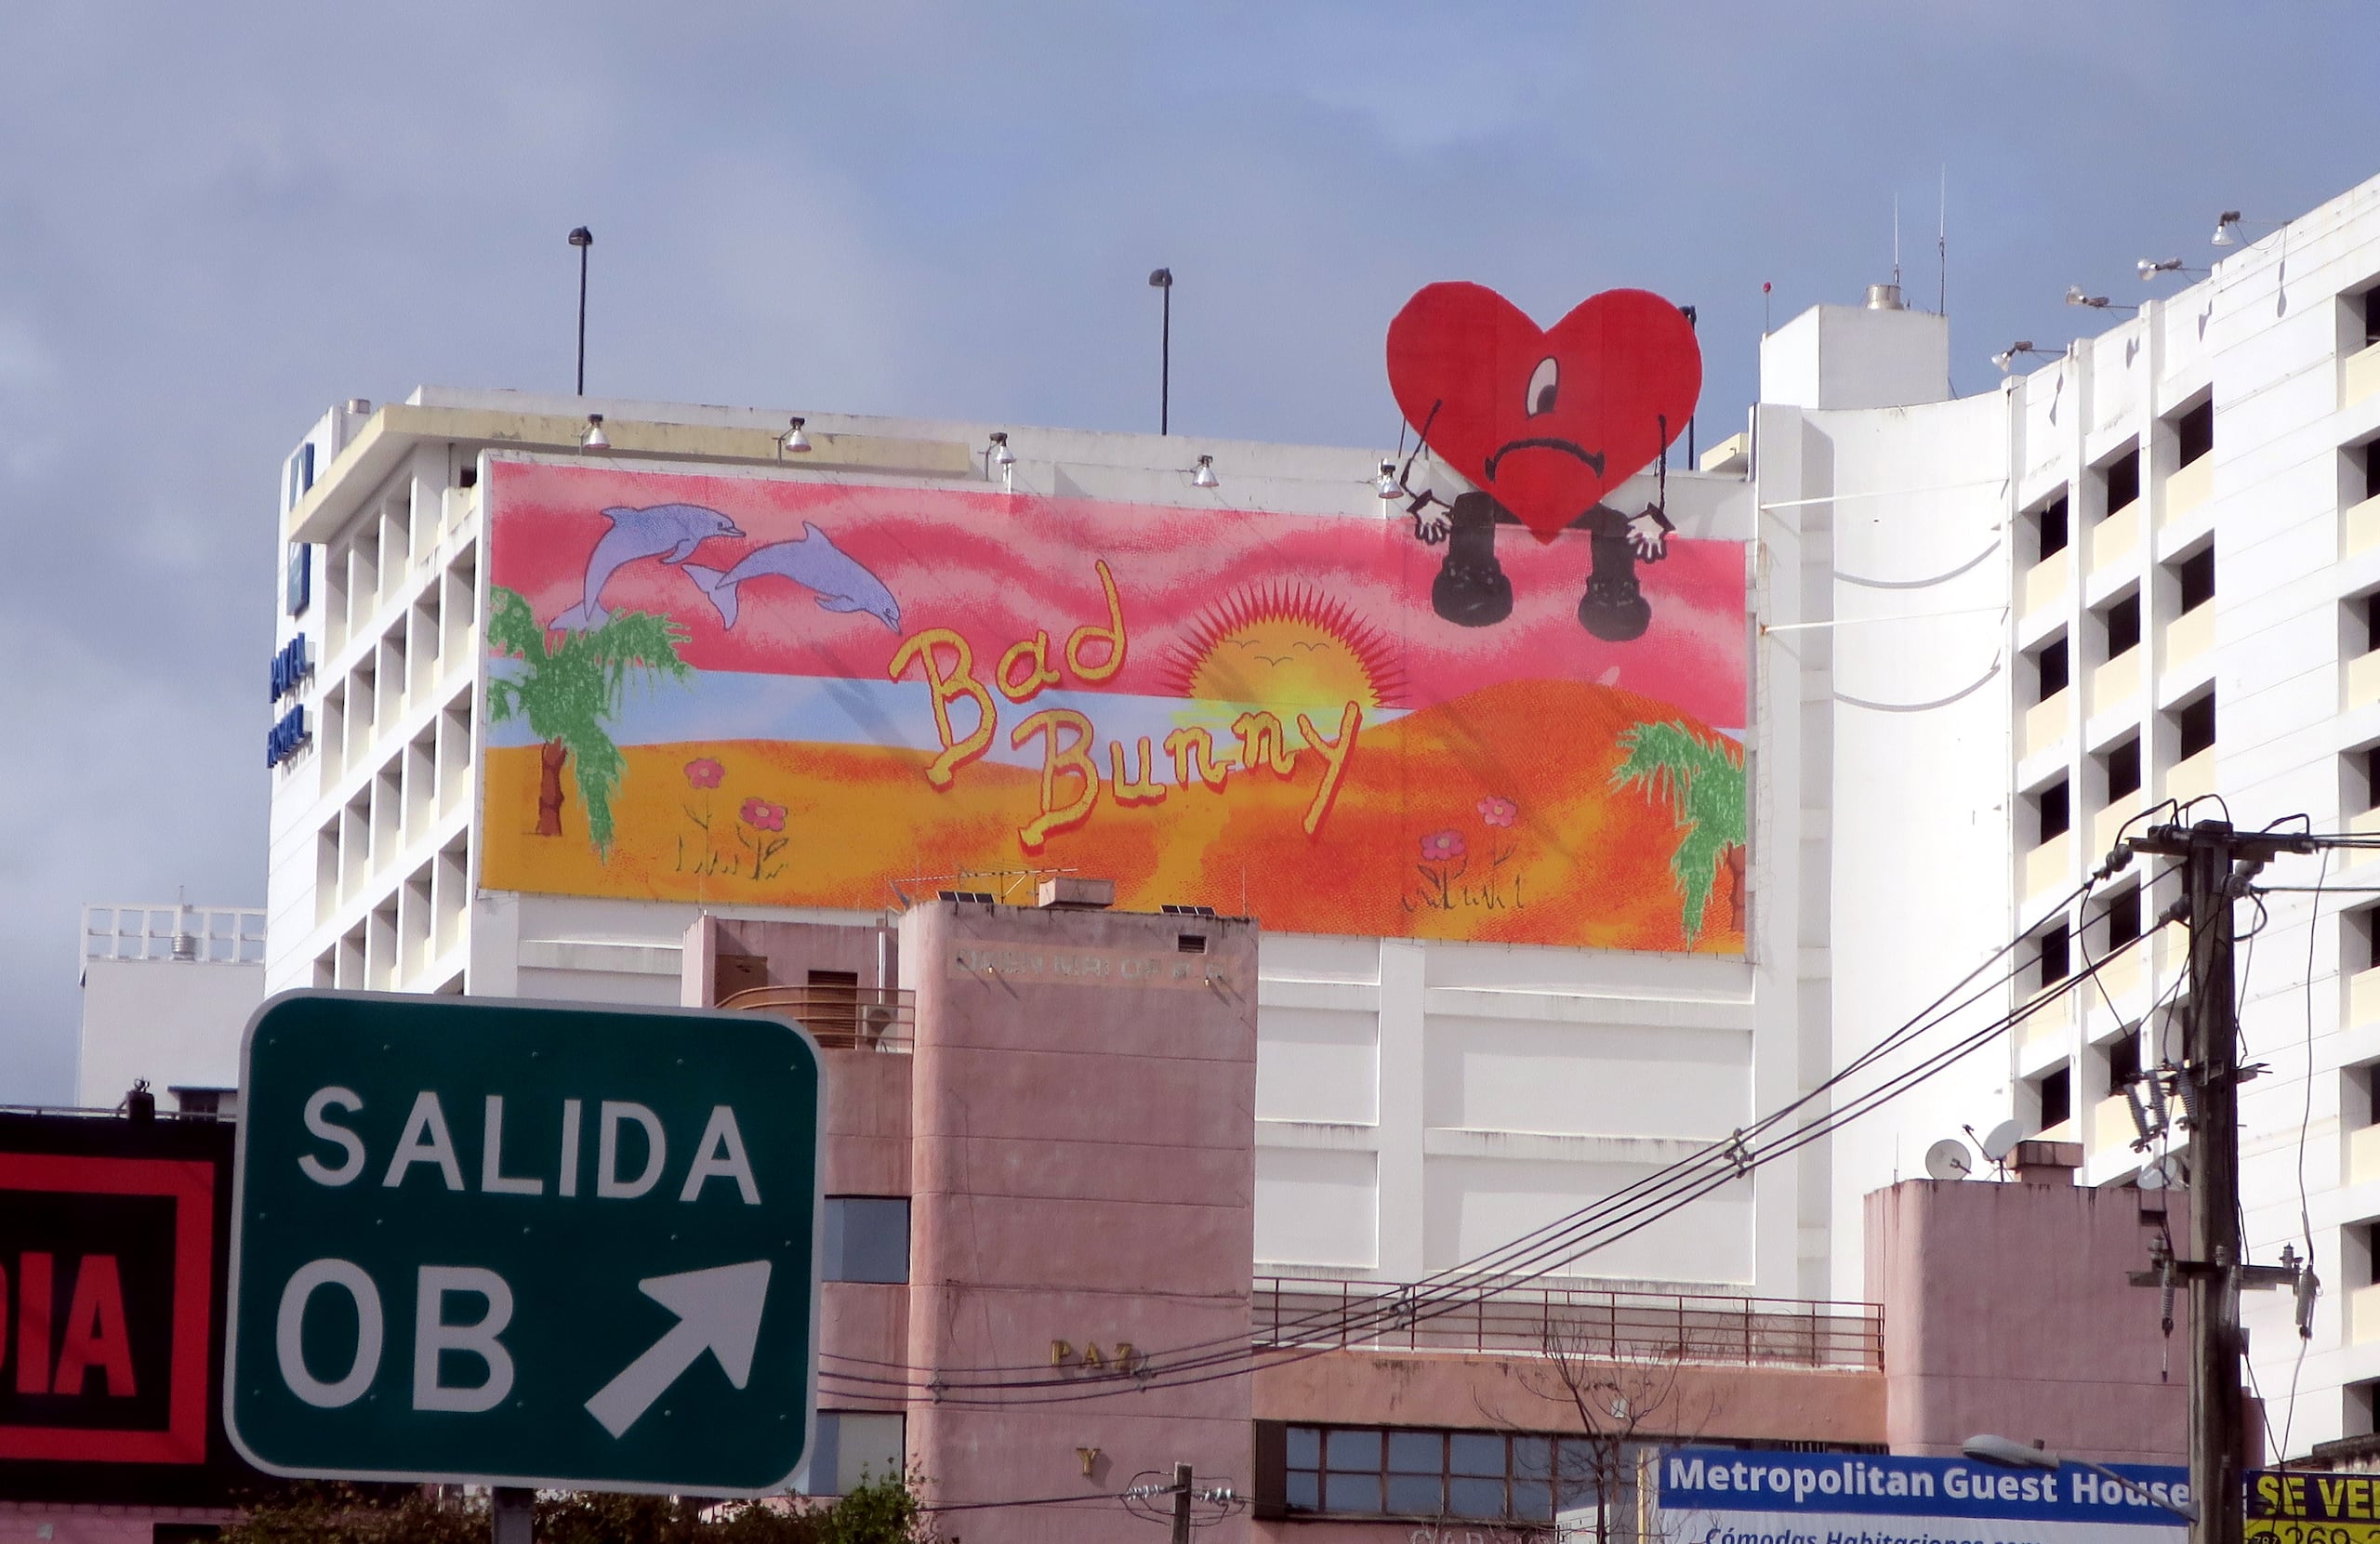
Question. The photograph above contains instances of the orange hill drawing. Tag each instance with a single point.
(1493, 816)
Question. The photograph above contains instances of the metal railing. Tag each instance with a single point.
(839, 1018)
(1571, 1321)
(212, 935)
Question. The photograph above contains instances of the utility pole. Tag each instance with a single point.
(513, 1515)
(1182, 1503)
(2218, 862)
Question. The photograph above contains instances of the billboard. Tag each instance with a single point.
(1731, 1496)
(2305, 1506)
(111, 1254)
(761, 690)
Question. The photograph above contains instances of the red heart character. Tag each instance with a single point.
(1547, 421)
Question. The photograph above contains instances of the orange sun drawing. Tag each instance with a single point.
(1290, 646)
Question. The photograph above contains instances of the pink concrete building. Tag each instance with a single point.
(1041, 1230)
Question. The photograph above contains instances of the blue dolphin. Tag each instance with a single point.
(669, 531)
(812, 559)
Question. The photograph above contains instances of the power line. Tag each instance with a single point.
(1585, 1232)
(1482, 1268)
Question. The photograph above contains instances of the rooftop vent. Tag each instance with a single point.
(1061, 894)
(1883, 297)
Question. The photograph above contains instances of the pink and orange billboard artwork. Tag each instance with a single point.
(760, 691)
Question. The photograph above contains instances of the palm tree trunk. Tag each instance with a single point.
(551, 757)
(1735, 860)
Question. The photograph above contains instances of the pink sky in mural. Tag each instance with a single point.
(997, 568)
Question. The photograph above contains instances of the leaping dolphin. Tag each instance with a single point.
(812, 559)
(669, 531)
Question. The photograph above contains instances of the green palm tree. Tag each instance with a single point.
(1703, 785)
(574, 681)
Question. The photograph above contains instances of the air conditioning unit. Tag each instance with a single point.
(875, 1018)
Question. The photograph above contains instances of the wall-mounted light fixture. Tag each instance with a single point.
(1386, 484)
(1205, 476)
(793, 440)
(594, 438)
(2018, 350)
(2149, 267)
(997, 450)
(2228, 228)
(2076, 297)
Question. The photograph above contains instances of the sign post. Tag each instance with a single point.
(520, 1244)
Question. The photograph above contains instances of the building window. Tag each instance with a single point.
(2363, 471)
(2057, 955)
(2194, 432)
(1470, 1476)
(2054, 1093)
(2194, 726)
(868, 1238)
(2361, 1400)
(2121, 624)
(2363, 779)
(2123, 477)
(2050, 669)
(2050, 532)
(854, 1447)
(2053, 812)
(2194, 579)
(2122, 764)
(2122, 916)
(2124, 1060)
(2359, 940)
(2363, 628)
(2360, 1096)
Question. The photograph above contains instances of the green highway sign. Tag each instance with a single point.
(520, 1244)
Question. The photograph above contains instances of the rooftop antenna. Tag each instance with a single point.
(1942, 245)
(1896, 241)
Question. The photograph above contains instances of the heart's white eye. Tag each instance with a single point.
(1544, 386)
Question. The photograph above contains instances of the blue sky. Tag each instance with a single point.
(214, 221)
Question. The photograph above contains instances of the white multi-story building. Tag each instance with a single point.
(2147, 570)
(1986, 632)
(1419, 1101)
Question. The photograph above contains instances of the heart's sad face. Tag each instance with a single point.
(1546, 420)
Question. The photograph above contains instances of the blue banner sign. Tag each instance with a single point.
(1728, 1495)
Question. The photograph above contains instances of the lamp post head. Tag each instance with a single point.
(1161, 278)
(581, 236)
(2007, 1453)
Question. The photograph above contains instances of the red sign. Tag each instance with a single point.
(107, 1277)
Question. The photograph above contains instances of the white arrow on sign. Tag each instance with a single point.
(719, 1311)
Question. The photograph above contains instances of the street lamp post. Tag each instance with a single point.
(1163, 280)
(582, 238)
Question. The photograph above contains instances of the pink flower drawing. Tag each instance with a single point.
(704, 772)
(1442, 847)
(1498, 812)
(762, 815)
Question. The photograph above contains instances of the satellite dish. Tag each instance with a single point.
(2002, 1141)
(2165, 1173)
(1948, 1160)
